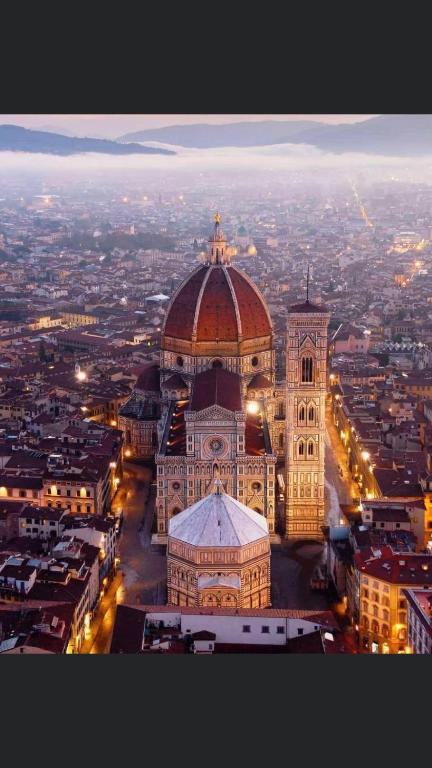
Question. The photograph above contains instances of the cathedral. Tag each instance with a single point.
(213, 411)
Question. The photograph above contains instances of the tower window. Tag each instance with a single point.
(311, 448)
(281, 440)
(307, 370)
(179, 362)
(254, 362)
(302, 413)
(311, 413)
(301, 448)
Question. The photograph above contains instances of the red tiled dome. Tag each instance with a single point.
(217, 303)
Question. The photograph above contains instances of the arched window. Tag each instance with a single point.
(307, 370)
(311, 448)
(281, 440)
(301, 448)
(217, 364)
(302, 413)
(311, 413)
(281, 410)
(175, 511)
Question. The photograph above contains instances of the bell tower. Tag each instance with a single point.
(306, 360)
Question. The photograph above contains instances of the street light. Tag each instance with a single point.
(365, 455)
(252, 407)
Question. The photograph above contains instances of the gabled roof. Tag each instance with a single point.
(217, 386)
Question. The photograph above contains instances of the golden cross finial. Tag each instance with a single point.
(217, 218)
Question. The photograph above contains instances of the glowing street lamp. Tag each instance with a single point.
(365, 455)
(81, 376)
(252, 407)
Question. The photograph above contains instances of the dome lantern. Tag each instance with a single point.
(217, 244)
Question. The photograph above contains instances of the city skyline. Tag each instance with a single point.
(216, 395)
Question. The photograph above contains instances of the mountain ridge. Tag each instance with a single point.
(15, 138)
(210, 136)
(394, 135)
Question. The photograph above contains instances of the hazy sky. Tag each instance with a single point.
(112, 126)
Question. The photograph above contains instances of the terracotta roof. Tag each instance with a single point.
(307, 306)
(259, 381)
(396, 568)
(148, 380)
(217, 303)
(128, 630)
(174, 382)
(323, 618)
(217, 386)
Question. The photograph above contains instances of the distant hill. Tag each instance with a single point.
(397, 135)
(205, 136)
(14, 138)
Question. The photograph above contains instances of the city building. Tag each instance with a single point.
(384, 576)
(169, 629)
(222, 412)
(218, 554)
(306, 399)
(419, 608)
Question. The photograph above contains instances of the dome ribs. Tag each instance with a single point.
(254, 319)
(181, 314)
(217, 316)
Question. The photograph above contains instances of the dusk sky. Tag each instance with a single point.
(112, 126)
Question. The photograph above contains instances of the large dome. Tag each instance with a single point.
(217, 305)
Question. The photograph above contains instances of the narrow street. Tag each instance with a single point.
(99, 636)
(343, 489)
(143, 564)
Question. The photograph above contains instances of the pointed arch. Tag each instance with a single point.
(307, 369)
(302, 411)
